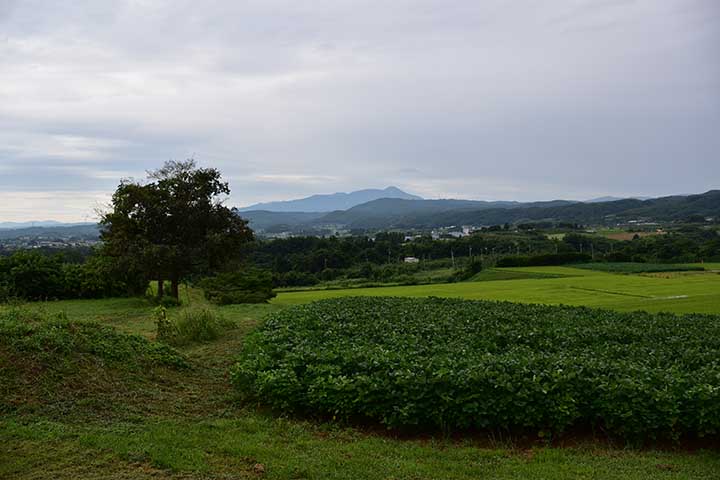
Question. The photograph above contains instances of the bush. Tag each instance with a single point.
(473, 267)
(166, 301)
(248, 286)
(549, 259)
(34, 276)
(429, 363)
(192, 326)
(294, 278)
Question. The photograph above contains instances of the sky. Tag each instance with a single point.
(490, 100)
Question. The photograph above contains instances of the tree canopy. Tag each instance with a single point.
(175, 224)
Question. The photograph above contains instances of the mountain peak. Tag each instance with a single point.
(333, 201)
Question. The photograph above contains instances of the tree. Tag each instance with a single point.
(175, 224)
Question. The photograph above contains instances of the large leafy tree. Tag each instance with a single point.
(175, 224)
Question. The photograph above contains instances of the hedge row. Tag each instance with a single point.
(549, 259)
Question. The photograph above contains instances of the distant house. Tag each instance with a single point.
(412, 260)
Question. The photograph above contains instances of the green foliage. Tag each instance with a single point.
(175, 224)
(633, 267)
(35, 276)
(549, 259)
(166, 330)
(166, 301)
(195, 325)
(473, 267)
(54, 340)
(246, 286)
(457, 364)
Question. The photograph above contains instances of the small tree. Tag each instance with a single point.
(174, 225)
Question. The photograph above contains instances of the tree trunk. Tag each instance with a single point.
(161, 288)
(175, 288)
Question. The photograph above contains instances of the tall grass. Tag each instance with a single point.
(192, 325)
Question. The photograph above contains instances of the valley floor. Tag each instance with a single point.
(189, 425)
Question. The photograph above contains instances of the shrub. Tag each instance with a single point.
(192, 326)
(166, 301)
(32, 275)
(474, 364)
(473, 267)
(549, 259)
(249, 286)
(295, 278)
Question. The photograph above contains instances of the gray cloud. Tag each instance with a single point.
(491, 100)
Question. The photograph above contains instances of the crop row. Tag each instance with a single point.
(456, 364)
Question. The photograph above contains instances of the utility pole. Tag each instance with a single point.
(452, 256)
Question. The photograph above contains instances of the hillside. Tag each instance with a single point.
(263, 219)
(85, 231)
(331, 202)
(387, 213)
(382, 213)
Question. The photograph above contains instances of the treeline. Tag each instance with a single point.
(32, 275)
(306, 261)
(310, 260)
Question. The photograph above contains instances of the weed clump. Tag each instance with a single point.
(192, 325)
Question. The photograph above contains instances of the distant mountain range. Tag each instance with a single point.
(40, 223)
(614, 199)
(405, 211)
(331, 202)
(84, 231)
(385, 213)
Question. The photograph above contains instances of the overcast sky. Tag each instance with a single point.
(509, 100)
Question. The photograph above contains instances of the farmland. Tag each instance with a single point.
(104, 420)
(696, 292)
(482, 364)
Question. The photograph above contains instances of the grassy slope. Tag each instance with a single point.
(187, 425)
(693, 292)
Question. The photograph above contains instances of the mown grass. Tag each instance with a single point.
(634, 267)
(170, 423)
(698, 293)
(493, 274)
(254, 446)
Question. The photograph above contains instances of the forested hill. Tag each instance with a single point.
(387, 213)
(399, 213)
(85, 231)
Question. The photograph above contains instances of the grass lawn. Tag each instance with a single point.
(698, 293)
(189, 424)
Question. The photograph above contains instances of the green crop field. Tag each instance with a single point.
(71, 413)
(697, 292)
